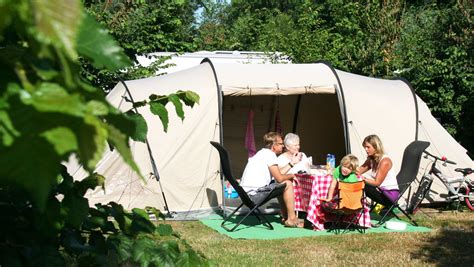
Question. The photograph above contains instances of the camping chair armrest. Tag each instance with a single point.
(334, 199)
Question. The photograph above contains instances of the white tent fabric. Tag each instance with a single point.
(186, 166)
(382, 107)
(331, 110)
(276, 79)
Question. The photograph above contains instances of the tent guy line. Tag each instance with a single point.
(150, 153)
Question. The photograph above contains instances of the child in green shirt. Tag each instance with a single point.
(345, 172)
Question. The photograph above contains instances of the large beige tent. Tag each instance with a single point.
(331, 110)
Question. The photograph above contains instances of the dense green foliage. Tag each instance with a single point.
(435, 54)
(430, 43)
(49, 113)
(142, 27)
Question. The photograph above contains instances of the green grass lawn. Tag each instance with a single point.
(451, 243)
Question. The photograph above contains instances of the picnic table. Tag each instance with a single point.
(309, 189)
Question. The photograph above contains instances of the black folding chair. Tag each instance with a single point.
(405, 177)
(246, 200)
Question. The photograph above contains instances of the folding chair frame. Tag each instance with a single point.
(405, 177)
(254, 210)
(336, 226)
(246, 200)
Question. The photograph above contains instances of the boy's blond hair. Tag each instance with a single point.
(350, 161)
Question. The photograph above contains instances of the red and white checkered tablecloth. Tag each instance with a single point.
(309, 190)
(303, 191)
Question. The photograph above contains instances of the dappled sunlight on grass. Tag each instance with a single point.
(452, 243)
(453, 233)
(448, 248)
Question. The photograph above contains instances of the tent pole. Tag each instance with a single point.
(342, 104)
(415, 101)
(220, 103)
(150, 153)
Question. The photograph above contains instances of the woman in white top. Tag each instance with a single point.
(382, 181)
(292, 160)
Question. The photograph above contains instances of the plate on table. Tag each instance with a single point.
(318, 171)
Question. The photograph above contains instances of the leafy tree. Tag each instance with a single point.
(363, 33)
(435, 54)
(339, 31)
(212, 32)
(49, 113)
(142, 27)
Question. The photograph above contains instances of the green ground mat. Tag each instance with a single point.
(252, 229)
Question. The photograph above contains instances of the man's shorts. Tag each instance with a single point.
(263, 192)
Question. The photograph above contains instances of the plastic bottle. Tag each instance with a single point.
(229, 191)
(328, 163)
(333, 162)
